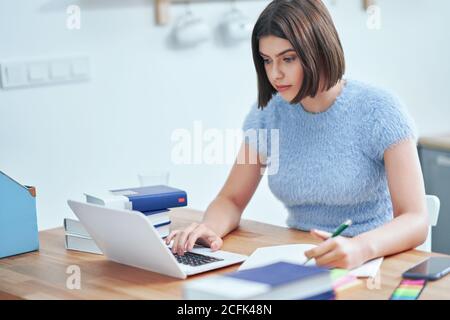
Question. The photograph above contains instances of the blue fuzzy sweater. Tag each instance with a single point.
(328, 167)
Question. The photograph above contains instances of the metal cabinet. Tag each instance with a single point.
(435, 160)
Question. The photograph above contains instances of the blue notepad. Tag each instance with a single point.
(281, 280)
(278, 273)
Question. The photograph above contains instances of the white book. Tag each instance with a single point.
(158, 218)
(163, 230)
(86, 244)
(79, 243)
(108, 199)
(74, 227)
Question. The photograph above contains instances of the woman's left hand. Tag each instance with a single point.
(338, 252)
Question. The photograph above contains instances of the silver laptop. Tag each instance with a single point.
(128, 237)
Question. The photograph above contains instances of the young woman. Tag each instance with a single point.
(345, 150)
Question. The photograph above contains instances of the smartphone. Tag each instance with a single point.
(432, 268)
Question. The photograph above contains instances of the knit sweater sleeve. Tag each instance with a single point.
(255, 129)
(391, 124)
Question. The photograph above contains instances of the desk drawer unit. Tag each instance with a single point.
(436, 171)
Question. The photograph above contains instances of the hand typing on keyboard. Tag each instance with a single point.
(184, 240)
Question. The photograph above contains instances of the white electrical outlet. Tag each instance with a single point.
(33, 72)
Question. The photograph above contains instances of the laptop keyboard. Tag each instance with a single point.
(195, 259)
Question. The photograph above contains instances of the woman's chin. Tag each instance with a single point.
(287, 97)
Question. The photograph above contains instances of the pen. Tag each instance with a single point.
(336, 233)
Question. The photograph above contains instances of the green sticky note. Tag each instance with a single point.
(338, 273)
(404, 292)
(402, 298)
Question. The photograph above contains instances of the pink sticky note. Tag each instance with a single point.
(414, 282)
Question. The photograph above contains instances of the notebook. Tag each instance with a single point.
(281, 280)
(294, 253)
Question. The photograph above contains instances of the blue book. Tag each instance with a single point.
(330, 295)
(154, 212)
(142, 199)
(281, 280)
(162, 224)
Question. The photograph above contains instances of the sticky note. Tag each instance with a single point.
(405, 292)
(408, 290)
(413, 282)
(402, 298)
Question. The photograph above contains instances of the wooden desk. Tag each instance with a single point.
(42, 275)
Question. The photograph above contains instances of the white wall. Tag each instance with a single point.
(68, 138)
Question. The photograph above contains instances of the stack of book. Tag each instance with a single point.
(277, 281)
(152, 201)
(77, 238)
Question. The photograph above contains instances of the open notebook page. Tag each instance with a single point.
(295, 253)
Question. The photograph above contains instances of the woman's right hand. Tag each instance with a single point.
(184, 240)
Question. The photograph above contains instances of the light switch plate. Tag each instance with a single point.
(80, 68)
(60, 70)
(14, 74)
(36, 72)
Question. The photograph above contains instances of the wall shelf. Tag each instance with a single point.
(162, 7)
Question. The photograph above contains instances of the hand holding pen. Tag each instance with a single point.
(324, 253)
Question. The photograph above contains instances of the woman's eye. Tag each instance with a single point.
(289, 59)
(266, 61)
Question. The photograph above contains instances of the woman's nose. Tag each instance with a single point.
(276, 72)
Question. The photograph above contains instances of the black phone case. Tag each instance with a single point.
(421, 276)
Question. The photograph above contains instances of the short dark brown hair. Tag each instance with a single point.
(308, 26)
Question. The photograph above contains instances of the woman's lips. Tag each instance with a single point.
(283, 88)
